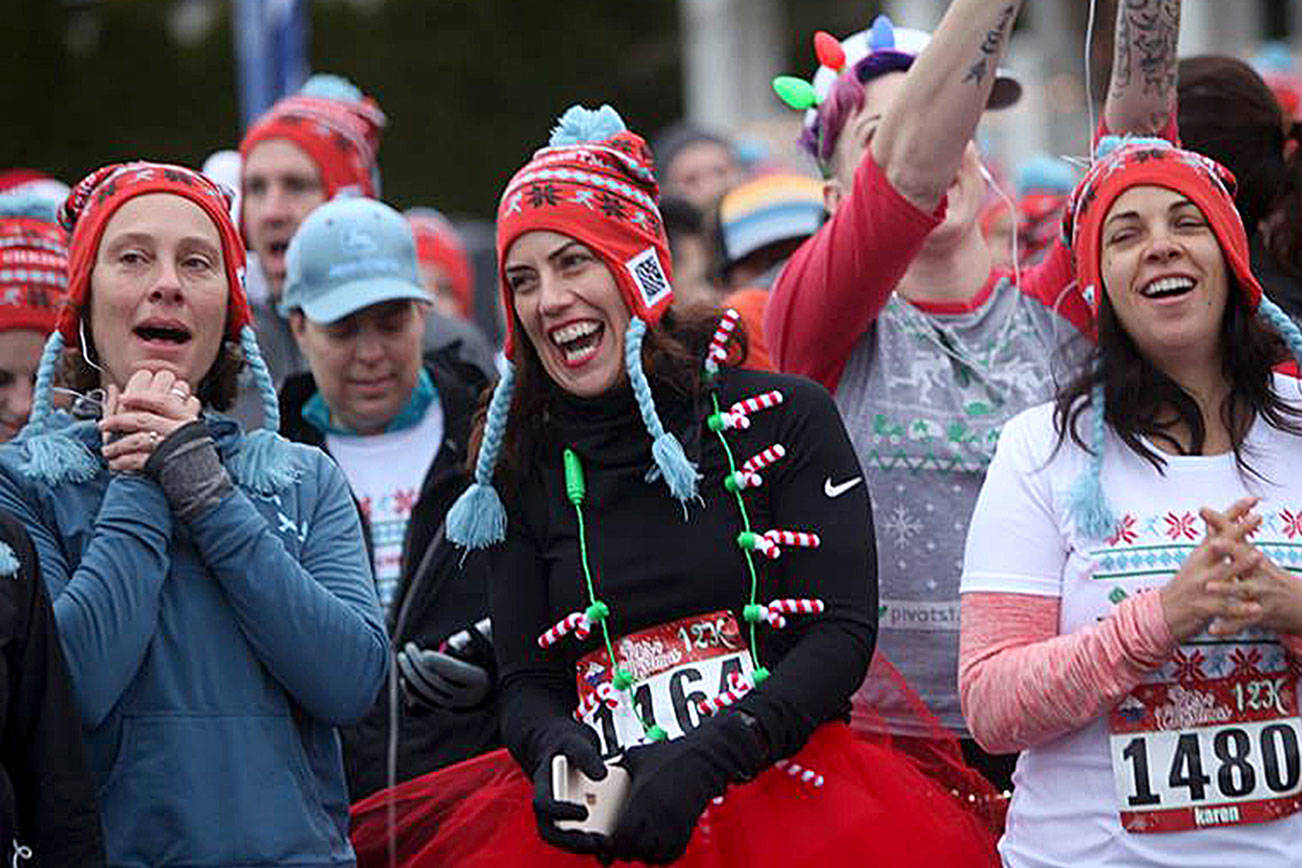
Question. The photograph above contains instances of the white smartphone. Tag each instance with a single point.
(604, 799)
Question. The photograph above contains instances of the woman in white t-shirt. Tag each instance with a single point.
(1156, 728)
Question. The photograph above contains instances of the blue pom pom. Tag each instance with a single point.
(33, 205)
(1108, 144)
(579, 125)
(325, 85)
(8, 561)
(1045, 174)
(55, 458)
(265, 463)
(477, 520)
(882, 34)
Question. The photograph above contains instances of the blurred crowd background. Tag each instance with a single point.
(467, 84)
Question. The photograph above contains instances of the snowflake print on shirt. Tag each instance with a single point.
(1291, 523)
(1187, 667)
(1125, 534)
(1181, 525)
(1246, 661)
(902, 525)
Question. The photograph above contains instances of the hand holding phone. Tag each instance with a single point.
(604, 799)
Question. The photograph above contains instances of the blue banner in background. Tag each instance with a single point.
(270, 52)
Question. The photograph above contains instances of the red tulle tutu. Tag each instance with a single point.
(875, 807)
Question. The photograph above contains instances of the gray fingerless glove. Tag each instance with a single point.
(189, 470)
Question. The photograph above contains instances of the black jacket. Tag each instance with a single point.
(47, 799)
(437, 594)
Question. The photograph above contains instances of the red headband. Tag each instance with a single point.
(602, 194)
(33, 273)
(99, 195)
(437, 242)
(1126, 163)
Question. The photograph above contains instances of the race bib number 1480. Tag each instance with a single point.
(1212, 752)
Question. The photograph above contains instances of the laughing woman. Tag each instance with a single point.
(1144, 659)
(678, 568)
(211, 588)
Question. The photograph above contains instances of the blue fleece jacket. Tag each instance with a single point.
(212, 660)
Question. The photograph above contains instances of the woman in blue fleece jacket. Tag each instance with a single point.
(211, 589)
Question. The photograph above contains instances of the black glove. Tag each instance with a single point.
(457, 677)
(583, 751)
(673, 781)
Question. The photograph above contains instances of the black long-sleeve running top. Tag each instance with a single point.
(652, 567)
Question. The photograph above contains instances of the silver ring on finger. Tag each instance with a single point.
(180, 393)
(154, 438)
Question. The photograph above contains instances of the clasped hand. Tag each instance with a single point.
(1228, 585)
(143, 414)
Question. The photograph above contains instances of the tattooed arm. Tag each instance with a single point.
(923, 133)
(1141, 95)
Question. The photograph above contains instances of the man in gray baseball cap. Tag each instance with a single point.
(398, 425)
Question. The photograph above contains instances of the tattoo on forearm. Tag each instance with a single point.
(1147, 35)
(992, 46)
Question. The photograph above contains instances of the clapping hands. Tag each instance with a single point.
(145, 412)
(1228, 585)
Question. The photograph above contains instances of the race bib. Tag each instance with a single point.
(1201, 752)
(674, 666)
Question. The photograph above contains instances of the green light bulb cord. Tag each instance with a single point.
(745, 522)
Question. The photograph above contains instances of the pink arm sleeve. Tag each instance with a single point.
(839, 280)
(1021, 683)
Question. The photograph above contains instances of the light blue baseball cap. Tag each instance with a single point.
(347, 255)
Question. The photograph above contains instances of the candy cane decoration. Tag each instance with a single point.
(804, 775)
(741, 480)
(756, 463)
(575, 622)
(799, 607)
(738, 687)
(759, 543)
(756, 612)
(772, 612)
(754, 405)
(718, 351)
(798, 538)
(604, 693)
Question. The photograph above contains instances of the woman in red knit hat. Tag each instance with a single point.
(1132, 617)
(211, 588)
(677, 574)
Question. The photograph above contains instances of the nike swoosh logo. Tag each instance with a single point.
(837, 490)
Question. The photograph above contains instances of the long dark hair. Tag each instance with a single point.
(1141, 401)
(1230, 114)
(672, 356)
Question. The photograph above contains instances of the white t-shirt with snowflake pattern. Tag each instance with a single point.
(1164, 754)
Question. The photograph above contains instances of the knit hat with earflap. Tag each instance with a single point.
(1121, 164)
(33, 263)
(595, 182)
(336, 125)
(263, 464)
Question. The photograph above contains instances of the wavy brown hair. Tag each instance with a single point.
(1140, 401)
(672, 356)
